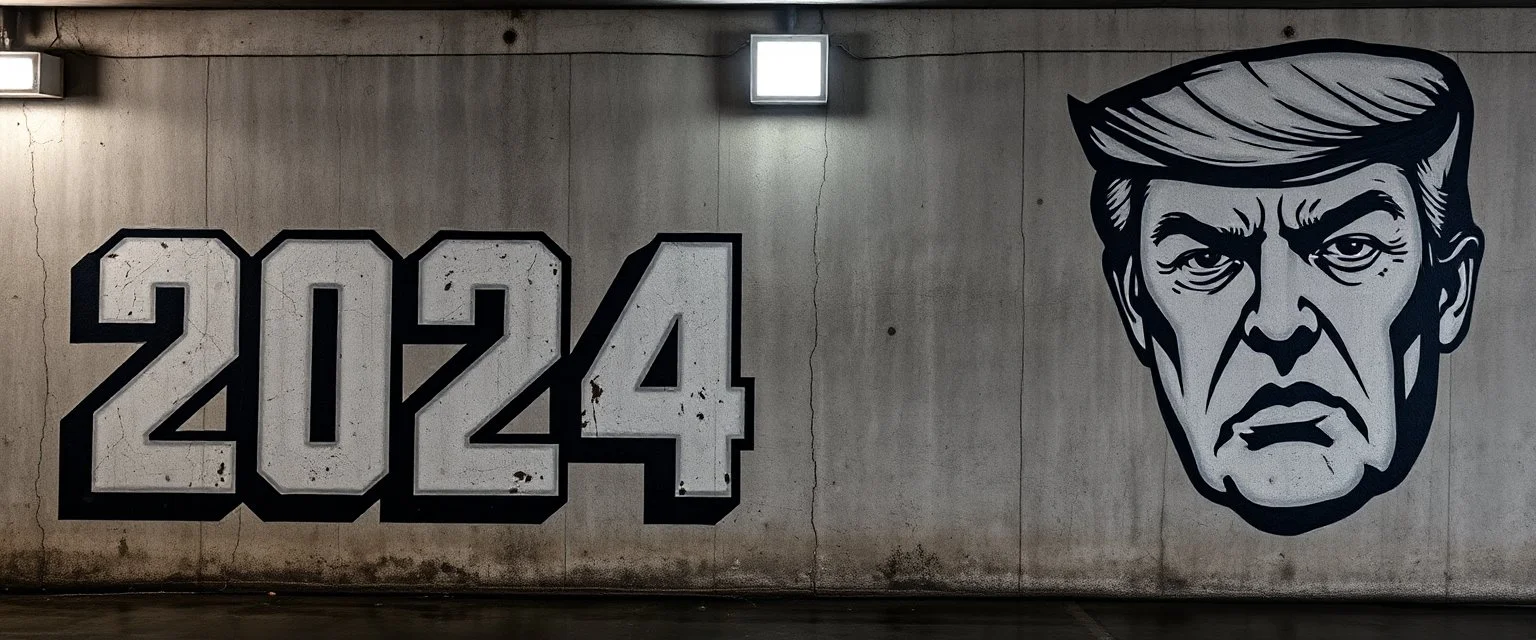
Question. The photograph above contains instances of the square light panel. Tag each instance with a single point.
(789, 69)
(29, 74)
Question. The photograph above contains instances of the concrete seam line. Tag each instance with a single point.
(1450, 461)
(570, 198)
(1097, 630)
(719, 144)
(1023, 303)
(202, 527)
(1162, 494)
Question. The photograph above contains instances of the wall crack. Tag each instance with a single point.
(826, 152)
(42, 436)
(229, 571)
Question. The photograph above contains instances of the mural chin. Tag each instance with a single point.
(1293, 455)
(1336, 459)
(1284, 447)
(1284, 230)
(1295, 474)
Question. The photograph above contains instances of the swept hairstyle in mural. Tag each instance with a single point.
(1288, 239)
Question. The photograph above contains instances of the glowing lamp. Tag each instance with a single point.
(29, 74)
(789, 69)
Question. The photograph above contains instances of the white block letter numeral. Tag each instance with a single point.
(676, 328)
(324, 380)
(306, 340)
(207, 273)
(527, 274)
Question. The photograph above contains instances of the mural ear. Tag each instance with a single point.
(1125, 285)
(1458, 286)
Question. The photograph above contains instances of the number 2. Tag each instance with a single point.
(120, 453)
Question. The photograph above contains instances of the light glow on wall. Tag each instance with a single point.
(789, 69)
(29, 74)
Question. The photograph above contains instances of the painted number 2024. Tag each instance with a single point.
(305, 340)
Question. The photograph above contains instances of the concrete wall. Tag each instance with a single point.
(945, 396)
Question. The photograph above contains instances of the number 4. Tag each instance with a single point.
(662, 378)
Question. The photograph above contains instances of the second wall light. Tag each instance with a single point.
(789, 69)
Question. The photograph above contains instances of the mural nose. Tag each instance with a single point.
(1282, 330)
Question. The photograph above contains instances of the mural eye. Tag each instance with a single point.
(1203, 269)
(1349, 253)
(1207, 260)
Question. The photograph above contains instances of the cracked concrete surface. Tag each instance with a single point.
(811, 358)
(42, 437)
(893, 276)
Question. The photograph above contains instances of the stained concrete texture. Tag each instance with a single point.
(946, 398)
(442, 618)
(870, 32)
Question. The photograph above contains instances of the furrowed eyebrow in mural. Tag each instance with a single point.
(1288, 238)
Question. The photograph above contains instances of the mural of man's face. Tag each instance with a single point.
(1289, 241)
(1288, 329)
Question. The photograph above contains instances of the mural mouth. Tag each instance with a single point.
(1292, 413)
(1262, 436)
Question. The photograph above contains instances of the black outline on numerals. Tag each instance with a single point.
(263, 499)
(76, 500)
(400, 502)
(394, 491)
(658, 454)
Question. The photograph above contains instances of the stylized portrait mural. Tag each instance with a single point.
(1289, 241)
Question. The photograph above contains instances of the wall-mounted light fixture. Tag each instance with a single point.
(26, 74)
(29, 74)
(789, 69)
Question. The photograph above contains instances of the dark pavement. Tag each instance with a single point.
(441, 618)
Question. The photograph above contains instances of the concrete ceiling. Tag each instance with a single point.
(695, 4)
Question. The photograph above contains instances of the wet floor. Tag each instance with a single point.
(442, 618)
